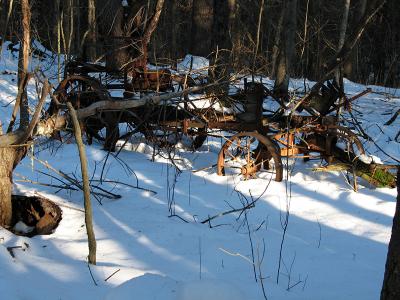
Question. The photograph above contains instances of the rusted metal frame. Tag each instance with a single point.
(234, 126)
(264, 140)
(350, 100)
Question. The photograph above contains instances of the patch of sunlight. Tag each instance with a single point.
(372, 202)
(335, 218)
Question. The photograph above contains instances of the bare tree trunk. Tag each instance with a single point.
(92, 30)
(258, 33)
(7, 156)
(78, 28)
(129, 40)
(6, 15)
(391, 281)
(350, 67)
(220, 42)
(86, 187)
(116, 48)
(58, 17)
(277, 44)
(342, 37)
(202, 25)
(10, 156)
(234, 33)
(287, 50)
(23, 61)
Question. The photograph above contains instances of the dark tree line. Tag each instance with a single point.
(248, 34)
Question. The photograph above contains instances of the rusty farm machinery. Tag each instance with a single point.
(252, 140)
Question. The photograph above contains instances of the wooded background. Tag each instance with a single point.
(252, 32)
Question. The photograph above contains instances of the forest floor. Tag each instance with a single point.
(334, 245)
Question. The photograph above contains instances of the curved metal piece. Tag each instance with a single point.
(348, 135)
(265, 150)
(76, 87)
(82, 91)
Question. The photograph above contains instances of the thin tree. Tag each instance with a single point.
(86, 186)
(92, 30)
(23, 61)
(286, 49)
(351, 65)
(342, 37)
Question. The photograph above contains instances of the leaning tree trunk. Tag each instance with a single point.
(391, 281)
(7, 158)
(10, 156)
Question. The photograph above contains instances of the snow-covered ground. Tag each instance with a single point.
(151, 243)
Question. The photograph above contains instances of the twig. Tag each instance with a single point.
(112, 274)
(320, 233)
(126, 184)
(91, 274)
(236, 254)
(259, 262)
(393, 118)
(11, 250)
(250, 205)
(74, 181)
(200, 260)
(179, 217)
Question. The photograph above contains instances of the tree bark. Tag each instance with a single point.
(342, 37)
(202, 25)
(7, 157)
(23, 61)
(391, 281)
(287, 50)
(11, 155)
(86, 187)
(128, 44)
(116, 47)
(92, 30)
(351, 65)
(277, 45)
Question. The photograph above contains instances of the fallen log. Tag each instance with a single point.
(376, 174)
(54, 123)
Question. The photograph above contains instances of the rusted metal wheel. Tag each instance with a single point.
(249, 153)
(80, 90)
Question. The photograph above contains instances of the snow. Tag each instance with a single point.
(21, 227)
(151, 243)
(148, 286)
(370, 159)
(209, 290)
(195, 65)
